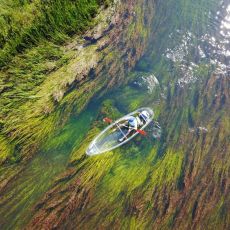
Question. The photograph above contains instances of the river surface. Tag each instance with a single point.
(189, 36)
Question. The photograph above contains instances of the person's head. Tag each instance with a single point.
(144, 115)
(131, 121)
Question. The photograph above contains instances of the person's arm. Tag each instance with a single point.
(125, 124)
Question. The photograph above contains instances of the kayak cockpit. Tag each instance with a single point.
(108, 139)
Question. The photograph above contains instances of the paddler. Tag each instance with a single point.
(132, 124)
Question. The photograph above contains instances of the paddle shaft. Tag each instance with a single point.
(120, 130)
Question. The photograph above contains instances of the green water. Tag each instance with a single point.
(177, 56)
(40, 173)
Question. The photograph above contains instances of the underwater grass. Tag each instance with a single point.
(32, 85)
(54, 21)
(121, 173)
(32, 47)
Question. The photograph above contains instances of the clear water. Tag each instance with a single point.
(40, 173)
(188, 37)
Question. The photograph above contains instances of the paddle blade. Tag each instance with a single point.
(108, 120)
(142, 132)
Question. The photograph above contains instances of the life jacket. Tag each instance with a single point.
(133, 123)
(144, 115)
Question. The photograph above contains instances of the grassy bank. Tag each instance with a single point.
(33, 35)
(24, 24)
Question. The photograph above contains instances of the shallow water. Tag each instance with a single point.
(40, 173)
(189, 37)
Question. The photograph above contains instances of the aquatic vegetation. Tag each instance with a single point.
(54, 83)
(21, 94)
(5, 149)
(54, 21)
(180, 181)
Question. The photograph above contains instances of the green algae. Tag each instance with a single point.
(167, 169)
(164, 168)
(29, 119)
(219, 215)
(129, 172)
(118, 174)
(41, 171)
(116, 178)
(28, 98)
(5, 149)
(55, 21)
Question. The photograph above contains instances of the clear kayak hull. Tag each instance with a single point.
(108, 139)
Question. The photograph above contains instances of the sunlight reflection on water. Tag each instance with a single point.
(212, 47)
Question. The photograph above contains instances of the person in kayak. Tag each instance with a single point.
(143, 116)
(133, 123)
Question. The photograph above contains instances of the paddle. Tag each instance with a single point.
(106, 119)
(142, 132)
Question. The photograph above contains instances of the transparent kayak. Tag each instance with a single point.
(108, 139)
